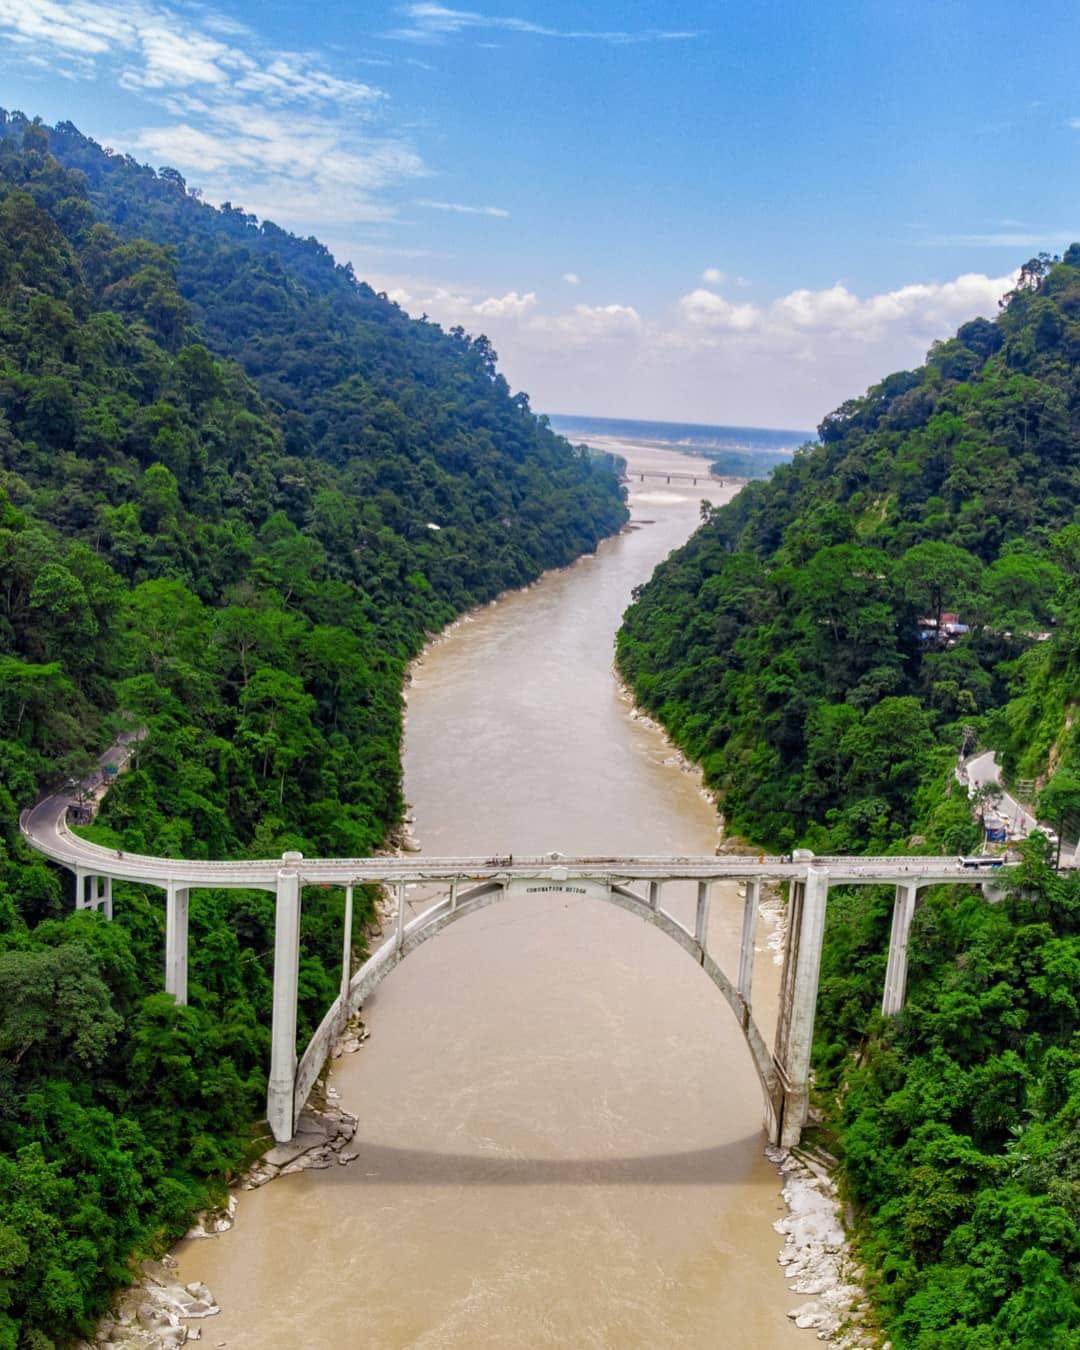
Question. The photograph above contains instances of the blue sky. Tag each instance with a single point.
(736, 212)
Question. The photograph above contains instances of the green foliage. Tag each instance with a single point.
(221, 457)
(958, 1121)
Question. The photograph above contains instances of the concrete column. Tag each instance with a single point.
(402, 905)
(892, 999)
(804, 987)
(107, 898)
(787, 974)
(281, 1088)
(176, 940)
(749, 932)
(81, 880)
(93, 893)
(701, 918)
(346, 947)
(454, 885)
(655, 888)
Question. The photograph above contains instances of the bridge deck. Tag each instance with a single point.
(45, 829)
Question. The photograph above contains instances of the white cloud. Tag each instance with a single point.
(84, 28)
(707, 309)
(571, 278)
(782, 363)
(1050, 240)
(713, 276)
(462, 210)
(275, 130)
(435, 23)
(506, 306)
(920, 310)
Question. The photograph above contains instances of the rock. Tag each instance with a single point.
(281, 1155)
(147, 1315)
(816, 1257)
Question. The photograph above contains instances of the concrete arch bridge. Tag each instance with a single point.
(470, 884)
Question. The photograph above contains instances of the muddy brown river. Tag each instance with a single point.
(560, 1128)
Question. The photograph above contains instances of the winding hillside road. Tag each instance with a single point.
(983, 770)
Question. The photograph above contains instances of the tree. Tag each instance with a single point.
(54, 1005)
(934, 574)
(1020, 588)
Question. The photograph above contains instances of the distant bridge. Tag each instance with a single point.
(471, 884)
(682, 477)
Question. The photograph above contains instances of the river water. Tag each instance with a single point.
(560, 1139)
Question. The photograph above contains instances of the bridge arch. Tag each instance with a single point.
(460, 904)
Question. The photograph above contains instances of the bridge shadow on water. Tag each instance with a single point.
(727, 1164)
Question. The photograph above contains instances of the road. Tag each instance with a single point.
(983, 769)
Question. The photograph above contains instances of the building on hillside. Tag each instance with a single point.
(946, 635)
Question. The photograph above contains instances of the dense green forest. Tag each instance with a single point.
(237, 489)
(800, 646)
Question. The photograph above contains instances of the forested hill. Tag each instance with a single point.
(419, 420)
(792, 645)
(236, 490)
(826, 644)
(358, 472)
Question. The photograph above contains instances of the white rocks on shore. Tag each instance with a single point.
(319, 1142)
(816, 1256)
(213, 1221)
(350, 1040)
(152, 1312)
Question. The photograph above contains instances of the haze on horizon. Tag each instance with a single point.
(731, 216)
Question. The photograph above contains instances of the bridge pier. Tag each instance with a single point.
(746, 944)
(280, 1092)
(346, 949)
(892, 1000)
(795, 1031)
(93, 892)
(176, 940)
(701, 917)
(402, 906)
